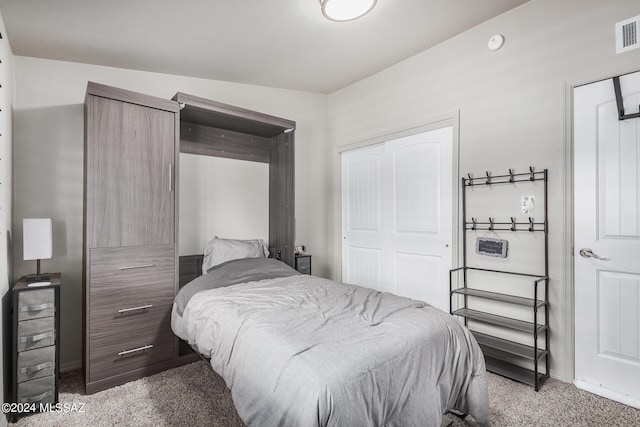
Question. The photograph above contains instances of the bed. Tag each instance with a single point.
(299, 350)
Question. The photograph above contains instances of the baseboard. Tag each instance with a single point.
(609, 394)
(71, 366)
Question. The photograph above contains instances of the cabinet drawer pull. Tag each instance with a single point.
(137, 266)
(143, 348)
(36, 368)
(142, 307)
(39, 307)
(37, 398)
(38, 337)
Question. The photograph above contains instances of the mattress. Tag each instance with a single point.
(300, 350)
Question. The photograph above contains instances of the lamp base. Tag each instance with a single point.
(30, 278)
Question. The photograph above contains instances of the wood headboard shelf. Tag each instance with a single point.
(215, 129)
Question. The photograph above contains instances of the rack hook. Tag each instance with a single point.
(488, 181)
(511, 177)
(490, 223)
(470, 180)
(513, 224)
(533, 176)
(530, 224)
(473, 226)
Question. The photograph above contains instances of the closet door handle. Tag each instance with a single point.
(170, 177)
(137, 266)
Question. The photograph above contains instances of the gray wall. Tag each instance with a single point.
(6, 202)
(48, 175)
(514, 111)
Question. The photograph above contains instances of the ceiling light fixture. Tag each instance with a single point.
(346, 10)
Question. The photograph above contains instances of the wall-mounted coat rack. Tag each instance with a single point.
(512, 225)
(621, 114)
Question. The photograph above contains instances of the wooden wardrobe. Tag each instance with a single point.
(131, 264)
(131, 145)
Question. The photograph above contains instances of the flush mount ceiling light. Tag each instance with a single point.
(346, 10)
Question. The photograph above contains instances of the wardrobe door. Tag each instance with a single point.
(130, 199)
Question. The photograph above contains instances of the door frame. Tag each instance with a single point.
(451, 119)
(568, 206)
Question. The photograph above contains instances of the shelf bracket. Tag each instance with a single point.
(619, 103)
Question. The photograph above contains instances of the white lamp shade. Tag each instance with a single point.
(36, 238)
(346, 10)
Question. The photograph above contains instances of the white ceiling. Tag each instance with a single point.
(279, 43)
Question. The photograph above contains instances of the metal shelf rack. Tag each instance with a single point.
(504, 356)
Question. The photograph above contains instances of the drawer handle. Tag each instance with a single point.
(137, 266)
(36, 368)
(143, 348)
(38, 307)
(142, 307)
(37, 398)
(38, 337)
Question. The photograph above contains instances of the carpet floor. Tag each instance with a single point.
(193, 395)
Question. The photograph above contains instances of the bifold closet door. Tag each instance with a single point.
(397, 216)
(130, 198)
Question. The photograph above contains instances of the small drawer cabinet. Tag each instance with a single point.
(303, 263)
(36, 334)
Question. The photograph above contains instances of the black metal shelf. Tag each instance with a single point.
(494, 319)
(499, 352)
(514, 372)
(495, 296)
(495, 345)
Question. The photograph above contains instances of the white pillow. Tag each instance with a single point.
(220, 250)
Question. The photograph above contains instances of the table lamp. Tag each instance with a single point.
(37, 244)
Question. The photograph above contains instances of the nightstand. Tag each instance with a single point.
(36, 351)
(303, 263)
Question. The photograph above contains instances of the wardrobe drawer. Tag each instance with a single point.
(36, 363)
(132, 264)
(36, 333)
(41, 390)
(36, 304)
(129, 348)
(145, 312)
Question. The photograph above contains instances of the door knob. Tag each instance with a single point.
(588, 253)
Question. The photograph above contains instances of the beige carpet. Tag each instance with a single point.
(193, 395)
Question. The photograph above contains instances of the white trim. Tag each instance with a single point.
(605, 392)
(335, 238)
(567, 242)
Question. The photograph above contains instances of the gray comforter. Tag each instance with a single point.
(306, 351)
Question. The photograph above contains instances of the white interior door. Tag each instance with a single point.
(397, 216)
(607, 223)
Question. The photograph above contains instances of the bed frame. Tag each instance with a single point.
(214, 129)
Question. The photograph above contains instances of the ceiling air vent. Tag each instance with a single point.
(628, 35)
